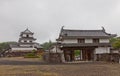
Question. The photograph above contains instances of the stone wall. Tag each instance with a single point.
(55, 57)
(115, 57)
(16, 54)
(52, 57)
(46, 56)
(103, 57)
(108, 57)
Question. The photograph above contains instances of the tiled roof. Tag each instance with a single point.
(27, 38)
(84, 33)
(26, 43)
(27, 31)
(37, 45)
(18, 45)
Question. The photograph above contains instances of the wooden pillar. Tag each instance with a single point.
(86, 55)
(64, 54)
(73, 56)
(81, 56)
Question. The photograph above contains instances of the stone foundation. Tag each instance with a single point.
(52, 57)
(108, 57)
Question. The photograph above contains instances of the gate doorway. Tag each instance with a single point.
(78, 55)
(69, 55)
(86, 54)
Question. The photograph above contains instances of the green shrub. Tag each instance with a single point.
(31, 55)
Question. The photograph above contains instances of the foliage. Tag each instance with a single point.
(47, 45)
(115, 42)
(33, 51)
(31, 55)
(112, 40)
(77, 52)
(5, 45)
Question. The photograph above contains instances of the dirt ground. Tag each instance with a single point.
(37, 67)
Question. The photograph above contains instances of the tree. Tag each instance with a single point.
(47, 45)
(115, 42)
(5, 45)
(77, 52)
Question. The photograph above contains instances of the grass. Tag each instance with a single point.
(9, 70)
(83, 69)
(31, 55)
(23, 70)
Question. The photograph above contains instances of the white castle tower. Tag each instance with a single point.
(26, 39)
(26, 42)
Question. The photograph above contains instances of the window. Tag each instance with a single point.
(31, 41)
(95, 40)
(25, 41)
(81, 40)
(27, 35)
(31, 46)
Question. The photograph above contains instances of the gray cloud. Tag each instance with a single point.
(45, 17)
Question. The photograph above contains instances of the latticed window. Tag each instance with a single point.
(30, 41)
(95, 40)
(81, 40)
(25, 41)
(27, 35)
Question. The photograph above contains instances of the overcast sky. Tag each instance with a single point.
(45, 17)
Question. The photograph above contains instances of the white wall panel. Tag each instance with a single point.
(104, 41)
(88, 41)
(19, 49)
(101, 50)
(70, 41)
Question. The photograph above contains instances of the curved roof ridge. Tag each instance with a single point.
(27, 31)
(82, 33)
(80, 30)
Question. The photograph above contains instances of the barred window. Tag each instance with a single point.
(95, 40)
(81, 40)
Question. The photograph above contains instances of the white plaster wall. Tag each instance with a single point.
(115, 51)
(30, 35)
(63, 58)
(101, 50)
(101, 41)
(19, 49)
(26, 45)
(54, 50)
(24, 35)
(104, 41)
(70, 41)
(88, 41)
(28, 41)
(22, 40)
